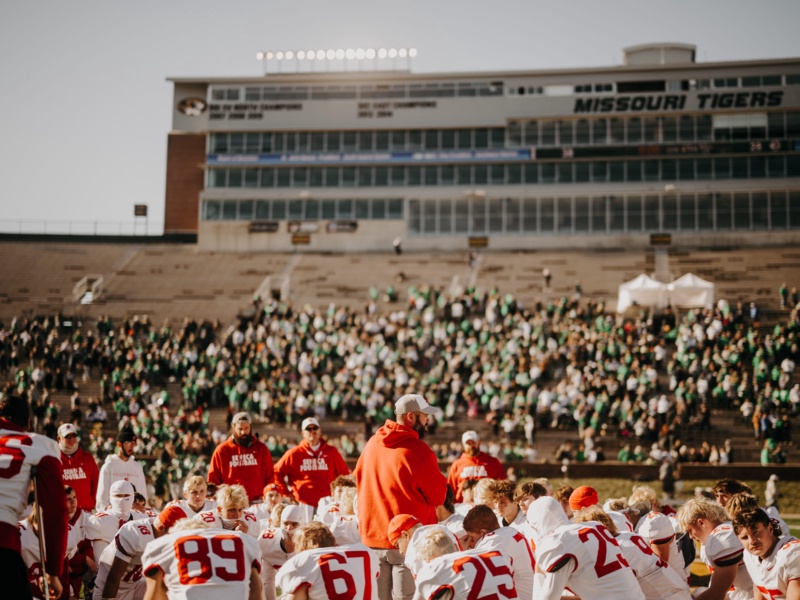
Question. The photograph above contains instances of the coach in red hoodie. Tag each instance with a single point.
(398, 474)
(310, 467)
(242, 459)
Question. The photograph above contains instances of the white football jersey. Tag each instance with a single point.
(129, 544)
(723, 549)
(273, 557)
(328, 513)
(587, 559)
(516, 546)
(203, 564)
(260, 510)
(349, 571)
(29, 541)
(19, 451)
(215, 520)
(469, 574)
(182, 506)
(345, 529)
(411, 560)
(455, 523)
(656, 578)
(772, 575)
(657, 528)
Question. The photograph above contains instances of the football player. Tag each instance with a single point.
(583, 556)
(193, 561)
(772, 558)
(707, 522)
(321, 570)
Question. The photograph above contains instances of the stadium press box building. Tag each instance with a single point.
(660, 150)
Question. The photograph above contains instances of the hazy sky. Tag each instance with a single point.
(85, 107)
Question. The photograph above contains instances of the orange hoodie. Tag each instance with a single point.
(397, 473)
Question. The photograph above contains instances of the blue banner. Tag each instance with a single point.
(327, 158)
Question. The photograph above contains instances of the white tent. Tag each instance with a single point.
(644, 291)
(690, 291)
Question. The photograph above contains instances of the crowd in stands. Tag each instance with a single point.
(625, 386)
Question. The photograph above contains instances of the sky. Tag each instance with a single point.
(85, 109)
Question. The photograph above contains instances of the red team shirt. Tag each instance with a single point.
(249, 466)
(80, 472)
(473, 467)
(206, 563)
(309, 473)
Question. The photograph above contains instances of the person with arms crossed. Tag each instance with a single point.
(79, 468)
(772, 558)
(242, 459)
(194, 560)
(309, 468)
(21, 453)
(472, 464)
(321, 570)
(397, 473)
(706, 521)
(450, 574)
(583, 556)
(121, 466)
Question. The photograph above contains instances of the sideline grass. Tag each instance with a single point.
(788, 502)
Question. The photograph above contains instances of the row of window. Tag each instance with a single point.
(667, 129)
(534, 133)
(299, 210)
(606, 214)
(744, 211)
(685, 169)
(472, 89)
(462, 89)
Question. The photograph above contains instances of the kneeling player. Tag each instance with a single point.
(449, 574)
(583, 556)
(706, 521)
(772, 559)
(195, 561)
(321, 570)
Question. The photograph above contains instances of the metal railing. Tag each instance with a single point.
(90, 228)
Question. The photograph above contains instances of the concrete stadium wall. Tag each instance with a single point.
(377, 236)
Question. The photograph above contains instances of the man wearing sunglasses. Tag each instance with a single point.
(310, 467)
(79, 469)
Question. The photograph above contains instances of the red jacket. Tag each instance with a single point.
(473, 467)
(397, 473)
(250, 466)
(80, 472)
(309, 473)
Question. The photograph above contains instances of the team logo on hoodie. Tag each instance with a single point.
(243, 460)
(314, 464)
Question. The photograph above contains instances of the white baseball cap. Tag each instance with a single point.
(241, 417)
(413, 403)
(308, 421)
(65, 429)
(470, 436)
